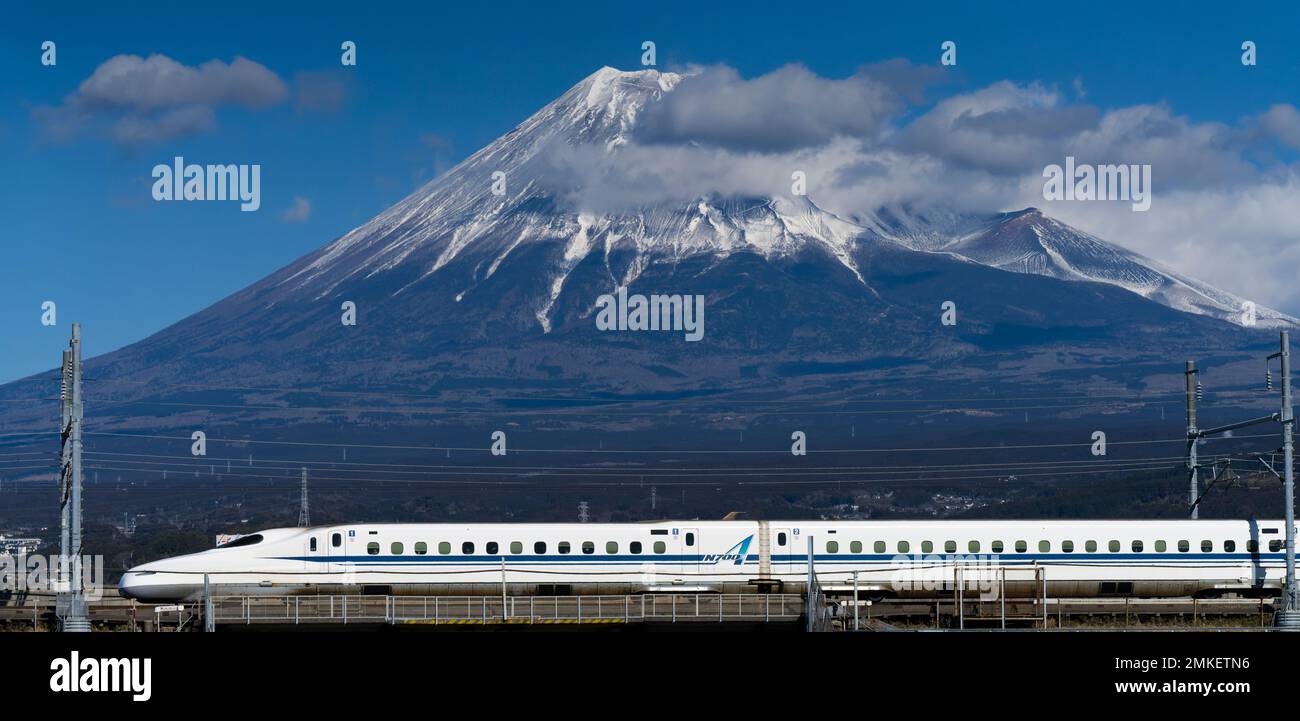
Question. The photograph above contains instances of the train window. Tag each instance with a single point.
(1044, 546)
(467, 547)
(254, 539)
(949, 546)
(879, 546)
(1161, 546)
(855, 547)
(973, 546)
(904, 547)
(1207, 546)
(780, 539)
(372, 548)
(832, 546)
(421, 548)
(588, 547)
(516, 547)
(492, 548)
(313, 544)
(444, 547)
(1067, 546)
(1184, 546)
(1113, 546)
(1274, 546)
(611, 546)
(1230, 546)
(1252, 546)
(1021, 546)
(634, 547)
(660, 547)
(539, 547)
(927, 546)
(565, 547)
(396, 548)
(336, 540)
(1090, 546)
(1137, 546)
(690, 539)
(998, 547)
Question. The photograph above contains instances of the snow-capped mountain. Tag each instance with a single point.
(486, 280)
(460, 216)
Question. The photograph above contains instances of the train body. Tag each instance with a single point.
(903, 559)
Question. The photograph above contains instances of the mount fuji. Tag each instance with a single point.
(484, 282)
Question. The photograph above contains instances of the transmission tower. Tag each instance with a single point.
(304, 514)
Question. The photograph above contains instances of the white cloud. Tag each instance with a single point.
(298, 212)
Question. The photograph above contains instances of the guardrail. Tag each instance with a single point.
(656, 608)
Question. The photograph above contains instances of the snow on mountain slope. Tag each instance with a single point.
(459, 216)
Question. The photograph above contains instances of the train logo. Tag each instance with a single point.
(737, 553)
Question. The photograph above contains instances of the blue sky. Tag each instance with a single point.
(433, 84)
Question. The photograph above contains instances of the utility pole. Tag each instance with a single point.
(1290, 615)
(74, 617)
(1192, 438)
(304, 515)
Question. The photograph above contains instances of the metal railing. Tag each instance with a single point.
(658, 608)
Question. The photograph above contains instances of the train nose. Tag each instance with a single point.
(153, 587)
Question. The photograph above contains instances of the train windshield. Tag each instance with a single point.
(243, 541)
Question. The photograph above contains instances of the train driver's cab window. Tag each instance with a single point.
(372, 548)
(690, 539)
(313, 544)
(661, 547)
(539, 547)
(336, 540)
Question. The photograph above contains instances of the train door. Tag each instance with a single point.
(690, 551)
(336, 550)
(314, 552)
(782, 551)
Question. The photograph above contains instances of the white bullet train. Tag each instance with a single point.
(890, 559)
